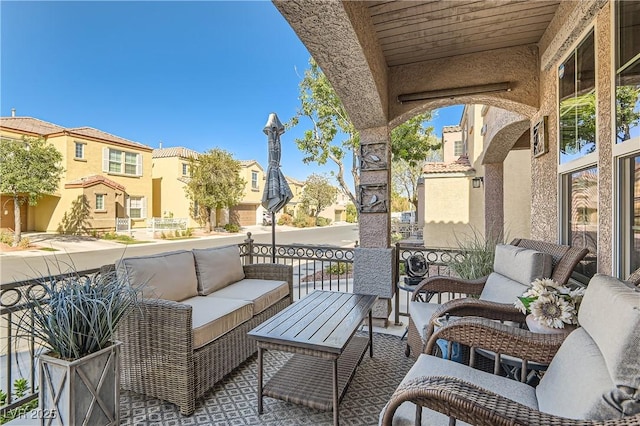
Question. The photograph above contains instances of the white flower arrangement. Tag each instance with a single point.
(550, 303)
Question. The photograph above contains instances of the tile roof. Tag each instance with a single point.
(87, 181)
(451, 129)
(462, 164)
(30, 125)
(178, 151)
(99, 134)
(43, 128)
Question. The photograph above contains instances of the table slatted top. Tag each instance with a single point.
(323, 320)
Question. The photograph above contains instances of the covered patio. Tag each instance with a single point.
(389, 61)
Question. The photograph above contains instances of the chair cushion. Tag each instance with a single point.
(261, 293)
(521, 264)
(610, 313)
(212, 317)
(576, 380)
(428, 365)
(501, 289)
(217, 267)
(169, 276)
(421, 314)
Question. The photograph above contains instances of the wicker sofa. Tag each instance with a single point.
(192, 327)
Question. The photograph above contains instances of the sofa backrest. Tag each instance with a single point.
(169, 276)
(217, 267)
(565, 258)
(514, 268)
(596, 372)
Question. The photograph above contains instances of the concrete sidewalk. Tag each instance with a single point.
(49, 243)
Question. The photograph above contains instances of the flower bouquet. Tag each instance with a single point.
(551, 304)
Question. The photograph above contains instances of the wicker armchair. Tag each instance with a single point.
(593, 374)
(564, 260)
(634, 278)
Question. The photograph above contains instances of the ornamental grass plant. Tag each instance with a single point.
(74, 315)
(475, 259)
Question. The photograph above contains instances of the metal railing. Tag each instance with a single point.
(314, 267)
(166, 223)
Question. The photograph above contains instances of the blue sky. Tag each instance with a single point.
(198, 74)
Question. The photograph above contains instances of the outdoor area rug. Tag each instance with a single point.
(233, 402)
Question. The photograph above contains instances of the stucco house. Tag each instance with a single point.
(170, 176)
(451, 195)
(105, 177)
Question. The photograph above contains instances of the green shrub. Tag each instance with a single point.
(352, 213)
(24, 242)
(163, 236)
(339, 268)
(476, 255)
(396, 237)
(232, 227)
(323, 221)
(285, 219)
(6, 237)
(188, 232)
(20, 387)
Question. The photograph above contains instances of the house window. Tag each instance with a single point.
(627, 71)
(99, 201)
(137, 207)
(580, 194)
(254, 180)
(185, 169)
(121, 162)
(627, 147)
(79, 151)
(577, 90)
(458, 148)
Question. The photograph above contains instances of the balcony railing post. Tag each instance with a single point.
(396, 278)
(249, 242)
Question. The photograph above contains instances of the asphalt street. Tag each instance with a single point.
(85, 253)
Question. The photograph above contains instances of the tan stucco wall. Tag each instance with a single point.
(169, 193)
(448, 145)
(517, 195)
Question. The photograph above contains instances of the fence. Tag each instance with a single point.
(123, 224)
(166, 224)
(314, 267)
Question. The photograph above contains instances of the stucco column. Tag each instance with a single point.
(493, 200)
(375, 228)
(374, 259)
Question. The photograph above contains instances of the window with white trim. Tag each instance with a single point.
(121, 162)
(137, 207)
(79, 151)
(99, 201)
(185, 169)
(577, 107)
(254, 180)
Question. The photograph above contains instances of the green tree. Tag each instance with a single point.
(332, 136)
(29, 169)
(412, 145)
(627, 111)
(318, 193)
(215, 183)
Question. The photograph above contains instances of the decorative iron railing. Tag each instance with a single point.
(314, 267)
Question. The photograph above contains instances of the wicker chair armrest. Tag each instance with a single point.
(480, 308)
(499, 338)
(442, 284)
(472, 404)
(271, 271)
(157, 323)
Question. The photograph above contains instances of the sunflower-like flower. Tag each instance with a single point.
(553, 310)
(551, 303)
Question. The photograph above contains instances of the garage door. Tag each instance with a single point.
(243, 215)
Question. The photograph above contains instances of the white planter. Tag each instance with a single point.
(81, 392)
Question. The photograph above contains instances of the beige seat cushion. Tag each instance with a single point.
(428, 365)
(212, 317)
(169, 276)
(217, 267)
(421, 314)
(261, 293)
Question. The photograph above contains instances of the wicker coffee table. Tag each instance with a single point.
(319, 329)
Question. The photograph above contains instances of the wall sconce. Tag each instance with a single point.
(476, 181)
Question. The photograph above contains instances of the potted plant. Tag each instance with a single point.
(475, 257)
(74, 317)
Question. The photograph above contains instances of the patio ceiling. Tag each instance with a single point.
(372, 52)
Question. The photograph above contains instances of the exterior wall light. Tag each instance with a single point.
(477, 181)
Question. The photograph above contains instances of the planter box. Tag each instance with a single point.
(81, 392)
